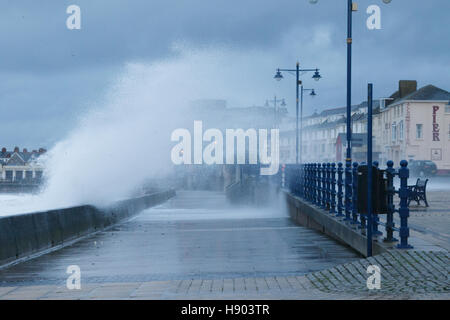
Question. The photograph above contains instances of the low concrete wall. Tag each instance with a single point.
(252, 191)
(24, 235)
(316, 218)
(12, 187)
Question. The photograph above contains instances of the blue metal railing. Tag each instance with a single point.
(323, 185)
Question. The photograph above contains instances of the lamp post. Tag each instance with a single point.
(312, 94)
(351, 7)
(275, 101)
(278, 76)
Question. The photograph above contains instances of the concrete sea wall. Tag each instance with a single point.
(25, 235)
(316, 218)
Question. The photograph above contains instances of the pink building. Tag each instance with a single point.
(416, 125)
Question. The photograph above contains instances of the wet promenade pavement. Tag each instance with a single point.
(195, 236)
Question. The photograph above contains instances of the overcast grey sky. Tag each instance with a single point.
(49, 75)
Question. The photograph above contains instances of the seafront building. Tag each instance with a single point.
(20, 166)
(411, 124)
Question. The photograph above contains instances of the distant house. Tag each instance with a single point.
(18, 166)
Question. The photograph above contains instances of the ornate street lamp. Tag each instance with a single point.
(278, 76)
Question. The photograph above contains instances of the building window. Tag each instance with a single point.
(449, 131)
(419, 131)
(9, 175)
(447, 108)
(394, 131)
(400, 130)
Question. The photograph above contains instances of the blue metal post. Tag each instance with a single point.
(362, 216)
(302, 179)
(333, 189)
(313, 186)
(324, 185)
(297, 84)
(376, 218)
(348, 190)
(308, 182)
(348, 160)
(403, 174)
(340, 193)
(304, 176)
(369, 169)
(327, 184)
(390, 173)
(311, 182)
(301, 122)
(319, 182)
(355, 194)
(293, 179)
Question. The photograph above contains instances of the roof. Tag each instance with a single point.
(428, 92)
(326, 124)
(16, 158)
(359, 116)
(330, 112)
(342, 110)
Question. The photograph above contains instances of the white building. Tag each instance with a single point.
(17, 166)
(411, 124)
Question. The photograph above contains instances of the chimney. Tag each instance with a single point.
(406, 87)
(16, 149)
(3, 150)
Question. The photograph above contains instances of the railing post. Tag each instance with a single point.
(319, 184)
(308, 182)
(324, 185)
(403, 174)
(355, 194)
(340, 193)
(348, 191)
(390, 173)
(292, 178)
(313, 183)
(328, 186)
(333, 189)
(303, 179)
(304, 186)
(310, 177)
(375, 217)
(362, 217)
(295, 179)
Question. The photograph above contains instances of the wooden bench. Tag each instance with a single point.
(417, 192)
